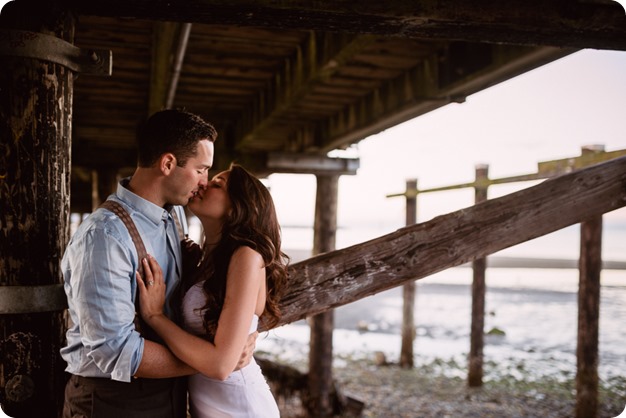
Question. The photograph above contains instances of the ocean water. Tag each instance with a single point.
(535, 308)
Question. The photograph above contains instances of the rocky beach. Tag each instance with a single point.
(529, 364)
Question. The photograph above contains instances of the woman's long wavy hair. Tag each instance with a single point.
(252, 222)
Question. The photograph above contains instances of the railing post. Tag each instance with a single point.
(408, 290)
(321, 344)
(475, 374)
(588, 318)
(590, 266)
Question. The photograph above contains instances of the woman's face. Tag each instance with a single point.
(213, 201)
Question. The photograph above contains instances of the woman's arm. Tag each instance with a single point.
(246, 274)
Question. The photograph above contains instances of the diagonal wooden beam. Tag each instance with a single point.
(317, 60)
(163, 40)
(169, 45)
(424, 89)
(599, 24)
(340, 277)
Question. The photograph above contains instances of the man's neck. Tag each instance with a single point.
(146, 185)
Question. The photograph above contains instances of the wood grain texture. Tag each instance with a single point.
(340, 277)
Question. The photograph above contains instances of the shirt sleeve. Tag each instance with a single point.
(103, 285)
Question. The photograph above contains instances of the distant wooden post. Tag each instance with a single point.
(408, 290)
(475, 374)
(590, 267)
(320, 375)
(35, 132)
(588, 318)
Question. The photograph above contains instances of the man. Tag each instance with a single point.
(115, 370)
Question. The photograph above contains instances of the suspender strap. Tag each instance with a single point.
(179, 227)
(119, 210)
(122, 213)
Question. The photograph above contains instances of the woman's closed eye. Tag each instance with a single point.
(217, 182)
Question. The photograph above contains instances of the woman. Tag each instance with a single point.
(238, 277)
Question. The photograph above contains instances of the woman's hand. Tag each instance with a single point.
(151, 289)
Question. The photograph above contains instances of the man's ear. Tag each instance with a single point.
(167, 163)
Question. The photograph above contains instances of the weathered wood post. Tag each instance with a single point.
(588, 318)
(35, 130)
(590, 267)
(475, 374)
(408, 290)
(321, 345)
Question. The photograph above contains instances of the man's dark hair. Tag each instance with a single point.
(174, 131)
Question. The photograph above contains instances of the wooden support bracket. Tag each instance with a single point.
(17, 43)
(311, 164)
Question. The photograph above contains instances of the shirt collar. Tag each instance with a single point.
(151, 211)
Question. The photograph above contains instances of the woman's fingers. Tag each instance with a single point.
(149, 280)
(152, 268)
(140, 284)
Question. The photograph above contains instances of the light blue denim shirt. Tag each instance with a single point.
(99, 268)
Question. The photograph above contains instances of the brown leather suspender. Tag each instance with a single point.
(123, 214)
(119, 210)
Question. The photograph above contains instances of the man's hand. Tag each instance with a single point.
(248, 350)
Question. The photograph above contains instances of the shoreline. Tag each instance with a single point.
(424, 391)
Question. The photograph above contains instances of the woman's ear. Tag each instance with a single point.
(167, 163)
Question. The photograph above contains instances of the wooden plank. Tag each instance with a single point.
(319, 59)
(598, 24)
(555, 167)
(340, 277)
(163, 41)
(420, 90)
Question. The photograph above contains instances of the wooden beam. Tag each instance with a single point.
(340, 277)
(311, 164)
(597, 24)
(422, 90)
(555, 167)
(315, 61)
(164, 38)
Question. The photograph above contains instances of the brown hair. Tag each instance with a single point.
(252, 222)
(174, 131)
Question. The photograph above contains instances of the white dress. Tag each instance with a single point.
(245, 393)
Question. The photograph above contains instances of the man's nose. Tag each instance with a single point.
(204, 181)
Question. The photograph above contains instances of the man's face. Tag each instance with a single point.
(186, 181)
(213, 202)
